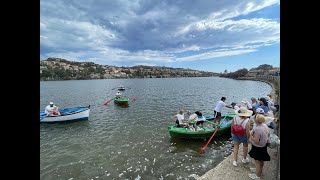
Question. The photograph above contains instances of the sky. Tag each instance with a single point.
(206, 35)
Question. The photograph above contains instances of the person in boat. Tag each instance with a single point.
(180, 119)
(217, 110)
(240, 132)
(118, 94)
(259, 151)
(51, 110)
(199, 120)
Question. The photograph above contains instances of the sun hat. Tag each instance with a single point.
(51, 103)
(243, 112)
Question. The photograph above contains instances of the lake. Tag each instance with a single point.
(133, 142)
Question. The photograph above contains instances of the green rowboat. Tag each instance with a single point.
(206, 132)
(121, 100)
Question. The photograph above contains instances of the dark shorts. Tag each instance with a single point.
(217, 114)
(200, 122)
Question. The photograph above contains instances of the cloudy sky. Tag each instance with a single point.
(209, 35)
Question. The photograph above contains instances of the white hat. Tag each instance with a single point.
(243, 112)
(259, 111)
(51, 103)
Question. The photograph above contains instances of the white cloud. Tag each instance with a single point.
(215, 54)
(153, 31)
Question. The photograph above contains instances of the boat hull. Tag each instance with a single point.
(70, 114)
(121, 100)
(176, 132)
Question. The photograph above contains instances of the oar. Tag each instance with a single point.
(205, 146)
(108, 102)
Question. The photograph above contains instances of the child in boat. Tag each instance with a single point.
(200, 120)
(180, 119)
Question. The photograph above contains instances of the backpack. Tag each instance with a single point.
(237, 129)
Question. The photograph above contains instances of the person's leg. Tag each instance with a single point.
(245, 150)
(235, 151)
(259, 165)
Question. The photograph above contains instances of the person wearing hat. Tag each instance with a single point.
(240, 131)
(51, 110)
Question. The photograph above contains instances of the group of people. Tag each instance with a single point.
(252, 124)
(261, 114)
(195, 120)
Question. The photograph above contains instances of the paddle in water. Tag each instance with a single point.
(106, 103)
(132, 98)
(205, 146)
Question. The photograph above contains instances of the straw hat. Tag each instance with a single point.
(243, 112)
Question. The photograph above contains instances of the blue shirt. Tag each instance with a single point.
(265, 108)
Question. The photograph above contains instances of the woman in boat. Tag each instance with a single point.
(200, 120)
(259, 152)
(240, 131)
(180, 119)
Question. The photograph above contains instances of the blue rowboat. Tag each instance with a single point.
(68, 114)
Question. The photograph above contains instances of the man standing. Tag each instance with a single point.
(218, 109)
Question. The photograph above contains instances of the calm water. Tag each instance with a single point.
(133, 142)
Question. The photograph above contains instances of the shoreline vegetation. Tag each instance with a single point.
(56, 69)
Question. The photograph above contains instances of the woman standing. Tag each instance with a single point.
(259, 151)
(240, 131)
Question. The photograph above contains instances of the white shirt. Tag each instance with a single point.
(219, 106)
(118, 94)
(180, 117)
(49, 108)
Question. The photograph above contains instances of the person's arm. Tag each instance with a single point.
(255, 137)
(248, 129)
(232, 125)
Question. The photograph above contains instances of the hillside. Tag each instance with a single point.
(61, 69)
